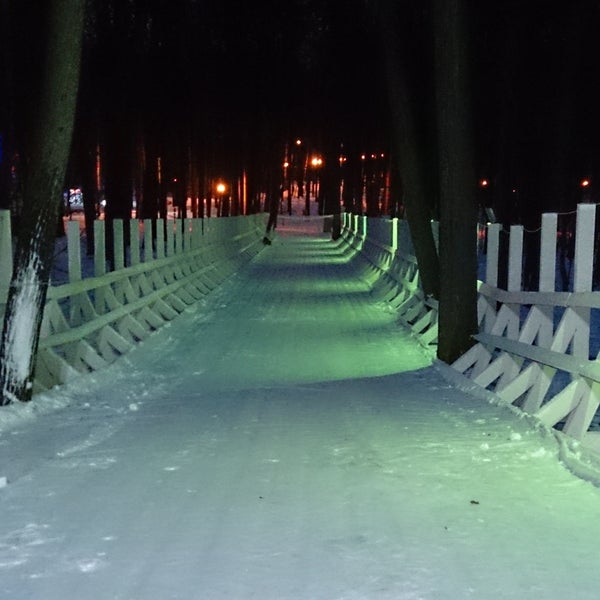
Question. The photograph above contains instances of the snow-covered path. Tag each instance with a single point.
(286, 440)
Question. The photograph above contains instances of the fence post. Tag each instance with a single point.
(170, 238)
(515, 258)
(547, 274)
(118, 245)
(148, 254)
(196, 233)
(515, 277)
(6, 257)
(179, 223)
(74, 251)
(394, 233)
(134, 242)
(99, 248)
(187, 234)
(160, 238)
(582, 274)
(99, 262)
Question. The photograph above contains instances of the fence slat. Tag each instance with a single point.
(74, 251)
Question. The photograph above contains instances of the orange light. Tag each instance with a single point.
(484, 183)
(220, 188)
(286, 164)
(585, 182)
(316, 161)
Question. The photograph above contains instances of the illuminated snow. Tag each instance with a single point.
(285, 440)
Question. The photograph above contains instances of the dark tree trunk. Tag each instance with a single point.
(407, 150)
(42, 200)
(6, 104)
(458, 216)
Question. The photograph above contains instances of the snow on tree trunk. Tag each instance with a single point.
(42, 197)
(16, 369)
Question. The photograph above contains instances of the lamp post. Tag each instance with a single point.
(220, 188)
(316, 162)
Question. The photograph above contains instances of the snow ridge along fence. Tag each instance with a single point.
(384, 252)
(89, 322)
(537, 350)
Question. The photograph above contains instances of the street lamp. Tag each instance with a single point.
(221, 188)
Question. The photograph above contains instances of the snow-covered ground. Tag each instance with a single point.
(285, 439)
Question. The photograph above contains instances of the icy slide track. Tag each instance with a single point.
(285, 440)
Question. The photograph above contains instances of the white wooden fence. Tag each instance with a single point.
(89, 322)
(383, 250)
(533, 348)
(532, 351)
(536, 350)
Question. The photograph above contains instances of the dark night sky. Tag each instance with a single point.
(311, 68)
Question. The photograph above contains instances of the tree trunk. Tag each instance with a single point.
(7, 107)
(407, 151)
(42, 199)
(458, 218)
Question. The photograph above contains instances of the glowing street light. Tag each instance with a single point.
(221, 188)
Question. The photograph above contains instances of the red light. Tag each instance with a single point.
(484, 183)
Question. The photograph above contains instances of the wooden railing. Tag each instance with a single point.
(533, 348)
(383, 250)
(90, 321)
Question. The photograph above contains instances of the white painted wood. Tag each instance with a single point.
(187, 235)
(160, 239)
(118, 245)
(109, 313)
(584, 247)
(515, 275)
(170, 237)
(579, 420)
(548, 252)
(148, 252)
(178, 232)
(99, 248)
(562, 404)
(394, 234)
(73, 251)
(134, 242)
(531, 354)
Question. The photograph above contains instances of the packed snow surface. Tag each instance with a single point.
(286, 439)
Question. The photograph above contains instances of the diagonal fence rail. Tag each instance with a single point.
(384, 251)
(158, 270)
(536, 348)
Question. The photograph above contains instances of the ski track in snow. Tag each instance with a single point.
(286, 439)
